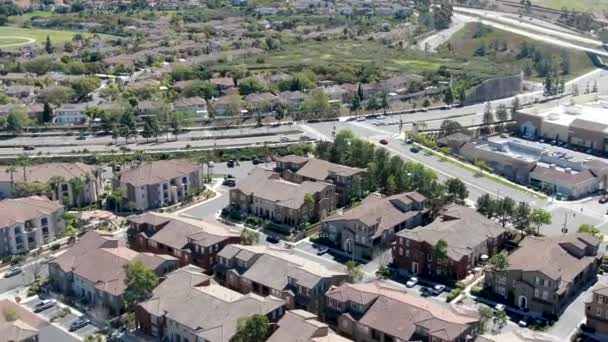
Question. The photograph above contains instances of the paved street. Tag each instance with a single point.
(24, 278)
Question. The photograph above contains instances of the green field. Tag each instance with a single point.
(579, 5)
(464, 44)
(12, 35)
(13, 41)
(18, 20)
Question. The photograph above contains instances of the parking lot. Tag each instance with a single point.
(63, 322)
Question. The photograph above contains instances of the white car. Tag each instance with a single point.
(361, 118)
(412, 282)
(499, 307)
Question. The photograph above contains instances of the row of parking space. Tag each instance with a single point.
(62, 316)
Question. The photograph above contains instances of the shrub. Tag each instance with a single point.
(253, 221)
(476, 290)
(55, 247)
(460, 285)
(453, 294)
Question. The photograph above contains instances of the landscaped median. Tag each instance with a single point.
(476, 170)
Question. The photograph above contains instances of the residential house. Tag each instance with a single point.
(470, 237)
(306, 326)
(264, 194)
(222, 83)
(93, 271)
(596, 309)
(190, 241)
(149, 107)
(69, 113)
(377, 311)
(261, 102)
(28, 223)
(193, 105)
(64, 173)
(546, 273)
(293, 100)
(20, 91)
(160, 183)
(190, 306)
(300, 281)
(369, 228)
(227, 105)
(22, 327)
(11, 78)
(346, 179)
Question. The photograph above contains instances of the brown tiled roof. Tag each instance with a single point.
(292, 158)
(320, 170)
(26, 326)
(222, 81)
(182, 295)
(549, 255)
(384, 212)
(303, 326)
(189, 101)
(44, 172)
(398, 313)
(269, 186)
(158, 171)
(20, 210)
(462, 228)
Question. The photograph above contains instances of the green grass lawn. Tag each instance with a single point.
(17, 20)
(9, 34)
(579, 5)
(464, 44)
(12, 41)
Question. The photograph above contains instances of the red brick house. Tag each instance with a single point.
(191, 241)
(468, 234)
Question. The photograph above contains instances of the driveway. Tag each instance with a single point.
(64, 322)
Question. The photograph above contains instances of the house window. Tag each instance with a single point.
(407, 243)
(536, 293)
(400, 251)
(537, 280)
(545, 295)
(407, 253)
(501, 290)
(429, 257)
(598, 312)
(44, 221)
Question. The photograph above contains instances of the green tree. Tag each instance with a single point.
(440, 250)
(355, 272)
(250, 85)
(448, 96)
(515, 106)
(436, 199)
(47, 113)
(250, 237)
(355, 105)
(127, 128)
(592, 230)
(521, 216)
(485, 315)
(309, 205)
(488, 118)
(77, 186)
(17, 120)
(502, 113)
(317, 104)
(456, 190)
(500, 261)
(177, 121)
(204, 89)
(48, 46)
(140, 282)
(84, 86)
(486, 205)
(384, 102)
(56, 95)
(449, 127)
(505, 208)
(255, 328)
(372, 104)
(538, 217)
(391, 185)
(383, 272)
(147, 132)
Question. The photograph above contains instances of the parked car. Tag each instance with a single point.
(603, 199)
(499, 307)
(412, 282)
(45, 304)
(229, 182)
(272, 238)
(415, 149)
(29, 148)
(384, 142)
(257, 161)
(425, 291)
(79, 323)
(322, 250)
(284, 139)
(409, 141)
(437, 289)
(13, 271)
(230, 163)
(361, 118)
(305, 138)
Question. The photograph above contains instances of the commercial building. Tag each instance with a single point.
(61, 176)
(190, 306)
(265, 194)
(160, 183)
(369, 228)
(190, 241)
(93, 271)
(546, 273)
(28, 223)
(379, 312)
(469, 237)
(300, 281)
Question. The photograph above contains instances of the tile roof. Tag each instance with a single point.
(44, 172)
(384, 212)
(26, 326)
(158, 171)
(320, 170)
(269, 186)
(462, 228)
(550, 256)
(209, 309)
(562, 176)
(398, 313)
(303, 326)
(292, 158)
(20, 210)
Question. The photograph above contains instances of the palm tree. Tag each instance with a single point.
(24, 161)
(54, 183)
(11, 170)
(77, 186)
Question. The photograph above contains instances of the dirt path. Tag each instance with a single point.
(27, 41)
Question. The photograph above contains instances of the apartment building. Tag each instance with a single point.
(28, 223)
(71, 113)
(265, 194)
(300, 169)
(62, 173)
(93, 271)
(376, 311)
(306, 327)
(190, 306)
(546, 273)
(596, 309)
(279, 272)
(190, 241)
(468, 234)
(160, 183)
(369, 228)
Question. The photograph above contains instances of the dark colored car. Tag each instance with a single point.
(79, 323)
(229, 182)
(272, 239)
(257, 161)
(415, 149)
(384, 142)
(603, 199)
(230, 163)
(29, 148)
(45, 304)
(322, 250)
